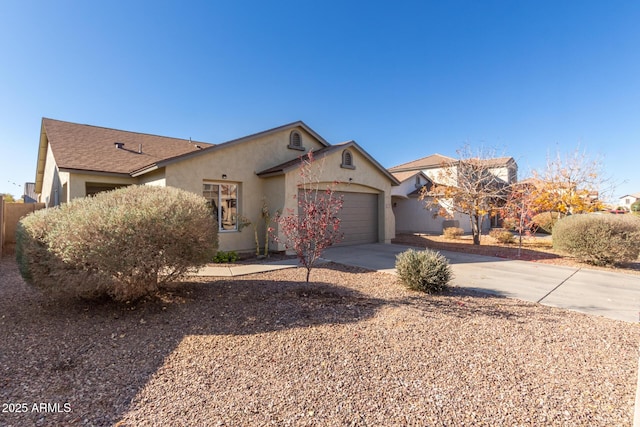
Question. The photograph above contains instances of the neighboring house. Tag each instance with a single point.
(30, 195)
(237, 176)
(628, 199)
(410, 212)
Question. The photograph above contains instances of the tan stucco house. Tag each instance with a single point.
(237, 177)
(409, 211)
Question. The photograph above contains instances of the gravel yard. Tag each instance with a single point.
(352, 348)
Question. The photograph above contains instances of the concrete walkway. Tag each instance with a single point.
(222, 270)
(609, 294)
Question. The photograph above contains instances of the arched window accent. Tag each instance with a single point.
(295, 141)
(347, 160)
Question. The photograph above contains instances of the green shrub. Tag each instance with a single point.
(599, 239)
(425, 271)
(123, 243)
(502, 236)
(635, 207)
(544, 222)
(452, 233)
(223, 257)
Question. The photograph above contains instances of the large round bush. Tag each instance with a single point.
(427, 271)
(124, 243)
(599, 239)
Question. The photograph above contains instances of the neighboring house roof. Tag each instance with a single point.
(323, 152)
(432, 161)
(636, 195)
(405, 175)
(438, 160)
(498, 161)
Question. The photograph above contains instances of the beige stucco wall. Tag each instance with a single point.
(153, 178)
(50, 181)
(412, 217)
(76, 183)
(240, 162)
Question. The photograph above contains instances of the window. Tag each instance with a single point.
(223, 199)
(295, 141)
(93, 188)
(347, 160)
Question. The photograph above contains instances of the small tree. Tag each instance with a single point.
(8, 198)
(519, 210)
(468, 186)
(316, 225)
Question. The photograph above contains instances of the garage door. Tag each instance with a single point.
(359, 218)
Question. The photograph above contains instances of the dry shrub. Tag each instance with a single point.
(502, 236)
(427, 271)
(599, 239)
(124, 243)
(452, 233)
(544, 222)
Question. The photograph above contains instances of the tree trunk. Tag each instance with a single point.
(475, 229)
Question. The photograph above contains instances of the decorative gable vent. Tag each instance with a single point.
(347, 160)
(295, 141)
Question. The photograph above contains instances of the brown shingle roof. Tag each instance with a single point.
(92, 148)
(437, 160)
(401, 176)
(434, 160)
(496, 161)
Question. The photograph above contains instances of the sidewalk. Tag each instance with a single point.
(222, 270)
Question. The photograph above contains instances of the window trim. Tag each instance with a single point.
(347, 160)
(219, 218)
(292, 143)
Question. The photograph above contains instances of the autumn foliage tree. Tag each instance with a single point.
(316, 225)
(468, 186)
(571, 184)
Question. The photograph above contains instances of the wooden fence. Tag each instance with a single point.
(10, 215)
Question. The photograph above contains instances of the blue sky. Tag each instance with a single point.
(405, 79)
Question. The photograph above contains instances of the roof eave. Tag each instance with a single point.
(144, 170)
(42, 158)
(94, 172)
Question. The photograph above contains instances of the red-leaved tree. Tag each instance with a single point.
(316, 225)
(519, 211)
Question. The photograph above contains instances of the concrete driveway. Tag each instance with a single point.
(603, 293)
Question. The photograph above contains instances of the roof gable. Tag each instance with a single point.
(291, 126)
(405, 175)
(324, 152)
